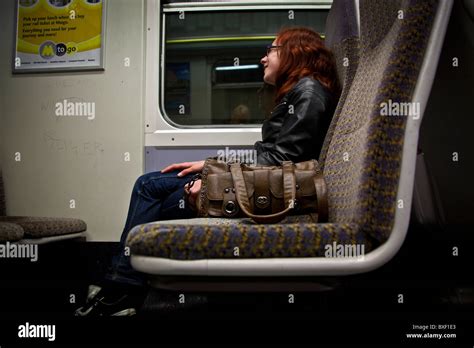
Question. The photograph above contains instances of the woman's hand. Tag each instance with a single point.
(193, 192)
(187, 168)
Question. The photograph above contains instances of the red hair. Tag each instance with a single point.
(302, 53)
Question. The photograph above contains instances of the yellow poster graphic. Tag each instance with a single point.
(59, 34)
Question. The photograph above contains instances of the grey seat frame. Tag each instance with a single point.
(80, 236)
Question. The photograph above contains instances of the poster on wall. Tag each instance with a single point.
(54, 35)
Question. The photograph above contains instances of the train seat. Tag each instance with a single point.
(38, 230)
(10, 232)
(369, 163)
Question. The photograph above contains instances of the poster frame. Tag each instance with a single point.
(99, 67)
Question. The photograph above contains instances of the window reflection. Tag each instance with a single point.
(212, 69)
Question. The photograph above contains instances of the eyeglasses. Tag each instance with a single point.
(270, 47)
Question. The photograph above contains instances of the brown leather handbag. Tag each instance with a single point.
(264, 193)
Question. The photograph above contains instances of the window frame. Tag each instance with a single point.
(160, 130)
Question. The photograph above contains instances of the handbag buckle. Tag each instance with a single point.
(262, 200)
(230, 208)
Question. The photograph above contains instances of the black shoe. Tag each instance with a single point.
(93, 291)
(107, 302)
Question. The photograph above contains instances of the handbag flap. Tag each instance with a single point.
(217, 183)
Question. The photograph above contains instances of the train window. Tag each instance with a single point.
(212, 74)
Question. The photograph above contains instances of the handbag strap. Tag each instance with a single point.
(289, 193)
(321, 196)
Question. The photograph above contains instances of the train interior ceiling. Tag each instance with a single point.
(169, 91)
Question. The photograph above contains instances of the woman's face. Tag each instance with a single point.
(270, 63)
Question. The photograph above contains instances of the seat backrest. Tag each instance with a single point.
(342, 38)
(363, 161)
(342, 26)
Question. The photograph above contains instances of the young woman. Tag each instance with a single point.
(303, 72)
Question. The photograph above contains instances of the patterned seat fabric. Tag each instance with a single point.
(362, 159)
(362, 165)
(208, 238)
(10, 232)
(40, 227)
(342, 37)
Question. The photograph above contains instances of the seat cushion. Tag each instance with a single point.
(211, 238)
(10, 232)
(38, 227)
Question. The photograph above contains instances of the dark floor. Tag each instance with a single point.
(437, 289)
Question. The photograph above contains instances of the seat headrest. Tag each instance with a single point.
(377, 18)
(341, 22)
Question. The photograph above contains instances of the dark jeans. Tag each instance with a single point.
(155, 196)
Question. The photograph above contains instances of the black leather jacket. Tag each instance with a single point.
(297, 126)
